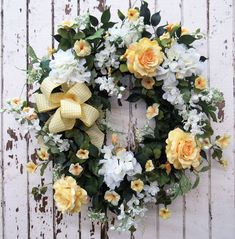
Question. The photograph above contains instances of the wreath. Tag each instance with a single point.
(134, 59)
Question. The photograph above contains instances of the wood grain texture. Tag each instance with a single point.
(207, 212)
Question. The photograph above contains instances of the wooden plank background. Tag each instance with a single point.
(206, 213)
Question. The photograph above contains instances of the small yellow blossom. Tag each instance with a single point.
(223, 141)
(43, 154)
(205, 143)
(31, 167)
(112, 197)
(75, 169)
(149, 166)
(137, 185)
(67, 24)
(172, 26)
(224, 163)
(16, 101)
(82, 48)
(114, 139)
(148, 83)
(51, 51)
(133, 14)
(31, 116)
(152, 111)
(184, 31)
(165, 36)
(200, 83)
(165, 213)
(82, 154)
(168, 168)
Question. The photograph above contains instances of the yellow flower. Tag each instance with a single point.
(165, 213)
(133, 14)
(67, 24)
(223, 141)
(82, 154)
(69, 196)
(172, 26)
(168, 168)
(75, 169)
(148, 83)
(204, 143)
(50, 51)
(152, 111)
(165, 36)
(182, 150)
(112, 197)
(200, 83)
(16, 101)
(137, 185)
(149, 166)
(184, 31)
(31, 167)
(224, 163)
(82, 48)
(144, 58)
(31, 116)
(43, 154)
(114, 139)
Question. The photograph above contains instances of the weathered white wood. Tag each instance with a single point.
(221, 76)
(195, 208)
(66, 226)
(14, 155)
(173, 227)
(41, 213)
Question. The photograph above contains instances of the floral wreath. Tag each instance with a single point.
(95, 61)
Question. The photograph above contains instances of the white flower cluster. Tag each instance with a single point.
(149, 193)
(66, 69)
(108, 84)
(55, 140)
(181, 62)
(126, 32)
(107, 58)
(35, 73)
(130, 215)
(82, 20)
(115, 166)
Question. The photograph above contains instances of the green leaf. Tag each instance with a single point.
(196, 182)
(105, 16)
(185, 184)
(155, 19)
(121, 15)
(123, 68)
(64, 33)
(94, 21)
(96, 35)
(145, 12)
(43, 190)
(160, 31)
(134, 98)
(79, 35)
(92, 186)
(187, 39)
(157, 153)
(32, 53)
(43, 168)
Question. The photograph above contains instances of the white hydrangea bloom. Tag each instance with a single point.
(127, 32)
(107, 58)
(115, 166)
(82, 20)
(66, 69)
(149, 193)
(108, 84)
(56, 140)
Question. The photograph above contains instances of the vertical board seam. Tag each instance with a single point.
(2, 86)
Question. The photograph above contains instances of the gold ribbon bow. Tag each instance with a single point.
(70, 105)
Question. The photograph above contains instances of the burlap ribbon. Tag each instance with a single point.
(70, 105)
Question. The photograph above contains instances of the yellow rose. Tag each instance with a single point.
(182, 150)
(82, 154)
(200, 83)
(75, 169)
(148, 83)
(165, 213)
(152, 111)
(82, 48)
(112, 197)
(137, 185)
(69, 196)
(149, 166)
(43, 154)
(31, 167)
(223, 141)
(133, 14)
(144, 58)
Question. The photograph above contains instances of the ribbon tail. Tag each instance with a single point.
(96, 136)
(59, 124)
(89, 115)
